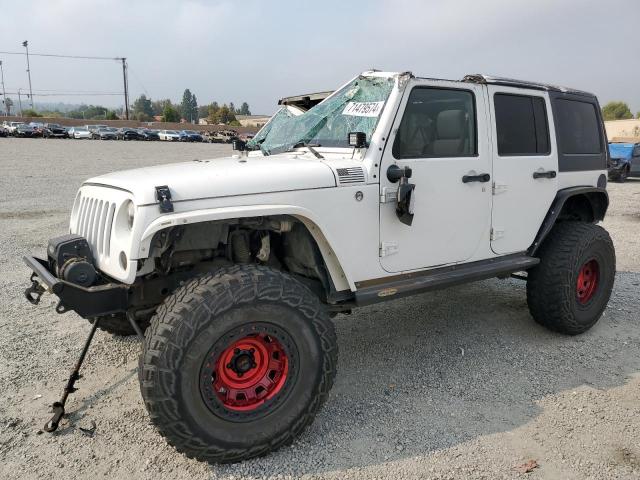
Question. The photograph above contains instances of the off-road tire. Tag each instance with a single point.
(552, 292)
(119, 325)
(622, 176)
(222, 307)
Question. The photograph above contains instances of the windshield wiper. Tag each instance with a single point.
(309, 146)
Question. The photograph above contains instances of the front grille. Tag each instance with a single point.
(94, 221)
(350, 175)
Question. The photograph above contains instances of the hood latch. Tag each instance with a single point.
(163, 194)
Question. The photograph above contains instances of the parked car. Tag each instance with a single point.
(10, 127)
(237, 266)
(26, 131)
(149, 134)
(79, 133)
(624, 160)
(127, 133)
(95, 128)
(190, 136)
(105, 133)
(3, 132)
(38, 128)
(53, 130)
(222, 136)
(169, 135)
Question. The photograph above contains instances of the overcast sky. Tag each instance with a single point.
(258, 51)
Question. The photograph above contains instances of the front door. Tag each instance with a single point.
(441, 133)
(525, 166)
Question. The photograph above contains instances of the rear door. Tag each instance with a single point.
(525, 166)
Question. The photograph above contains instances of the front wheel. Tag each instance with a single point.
(570, 287)
(237, 364)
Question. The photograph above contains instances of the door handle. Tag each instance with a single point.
(548, 174)
(483, 178)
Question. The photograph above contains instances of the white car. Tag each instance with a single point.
(393, 185)
(169, 135)
(79, 133)
(11, 126)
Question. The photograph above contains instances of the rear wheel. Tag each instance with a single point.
(568, 291)
(237, 364)
(622, 176)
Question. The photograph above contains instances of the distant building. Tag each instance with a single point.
(622, 128)
(255, 121)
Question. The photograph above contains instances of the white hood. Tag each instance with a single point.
(221, 177)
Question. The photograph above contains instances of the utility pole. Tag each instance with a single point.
(126, 87)
(20, 101)
(4, 94)
(25, 44)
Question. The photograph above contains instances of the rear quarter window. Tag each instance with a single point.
(578, 127)
(579, 131)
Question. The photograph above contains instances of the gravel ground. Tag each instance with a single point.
(453, 384)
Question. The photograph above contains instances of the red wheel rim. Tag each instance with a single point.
(587, 281)
(250, 371)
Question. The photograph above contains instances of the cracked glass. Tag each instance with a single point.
(354, 108)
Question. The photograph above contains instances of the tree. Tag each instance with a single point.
(232, 108)
(158, 106)
(244, 109)
(637, 115)
(29, 112)
(203, 111)
(189, 106)
(214, 113)
(111, 115)
(170, 113)
(143, 109)
(8, 105)
(616, 111)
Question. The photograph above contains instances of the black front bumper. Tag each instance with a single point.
(88, 302)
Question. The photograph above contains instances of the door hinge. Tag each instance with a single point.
(163, 195)
(388, 195)
(497, 233)
(388, 248)
(498, 188)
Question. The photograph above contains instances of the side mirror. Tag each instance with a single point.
(406, 195)
(406, 200)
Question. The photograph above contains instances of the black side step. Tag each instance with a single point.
(398, 286)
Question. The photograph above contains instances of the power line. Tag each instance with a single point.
(67, 94)
(78, 57)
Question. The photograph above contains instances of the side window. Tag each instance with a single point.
(636, 151)
(522, 127)
(437, 123)
(578, 127)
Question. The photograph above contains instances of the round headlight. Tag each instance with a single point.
(131, 213)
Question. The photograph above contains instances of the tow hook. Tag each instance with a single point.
(58, 407)
(35, 291)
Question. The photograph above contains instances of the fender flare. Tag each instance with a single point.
(339, 277)
(597, 197)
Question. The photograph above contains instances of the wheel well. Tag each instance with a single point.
(587, 207)
(281, 242)
(583, 204)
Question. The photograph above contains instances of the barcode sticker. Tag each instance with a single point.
(363, 109)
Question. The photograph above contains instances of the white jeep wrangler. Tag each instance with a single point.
(230, 269)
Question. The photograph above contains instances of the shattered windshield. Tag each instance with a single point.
(355, 108)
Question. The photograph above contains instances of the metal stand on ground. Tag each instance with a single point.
(58, 407)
